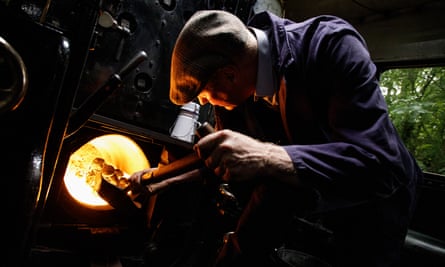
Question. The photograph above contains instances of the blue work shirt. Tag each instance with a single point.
(333, 111)
(333, 122)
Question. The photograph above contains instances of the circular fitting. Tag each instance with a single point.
(14, 77)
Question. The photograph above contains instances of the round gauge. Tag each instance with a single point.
(273, 6)
(14, 82)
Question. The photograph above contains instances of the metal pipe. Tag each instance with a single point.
(79, 117)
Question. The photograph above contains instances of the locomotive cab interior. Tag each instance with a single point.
(84, 83)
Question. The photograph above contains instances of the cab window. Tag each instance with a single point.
(416, 102)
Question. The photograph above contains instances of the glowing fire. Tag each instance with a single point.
(83, 173)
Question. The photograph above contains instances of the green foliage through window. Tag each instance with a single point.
(416, 102)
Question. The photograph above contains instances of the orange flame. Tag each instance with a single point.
(83, 177)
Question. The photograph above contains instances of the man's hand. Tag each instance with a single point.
(237, 157)
(139, 190)
(136, 178)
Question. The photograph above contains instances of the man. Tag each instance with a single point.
(301, 119)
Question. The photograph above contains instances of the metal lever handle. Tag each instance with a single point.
(190, 176)
(95, 101)
(186, 163)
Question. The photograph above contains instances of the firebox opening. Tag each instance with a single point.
(113, 154)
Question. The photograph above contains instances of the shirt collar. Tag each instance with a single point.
(265, 83)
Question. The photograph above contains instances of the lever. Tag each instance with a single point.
(106, 20)
(187, 169)
(185, 163)
(79, 117)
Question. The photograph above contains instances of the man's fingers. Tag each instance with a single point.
(207, 144)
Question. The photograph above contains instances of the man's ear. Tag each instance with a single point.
(229, 73)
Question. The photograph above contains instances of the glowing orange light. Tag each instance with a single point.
(82, 177)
